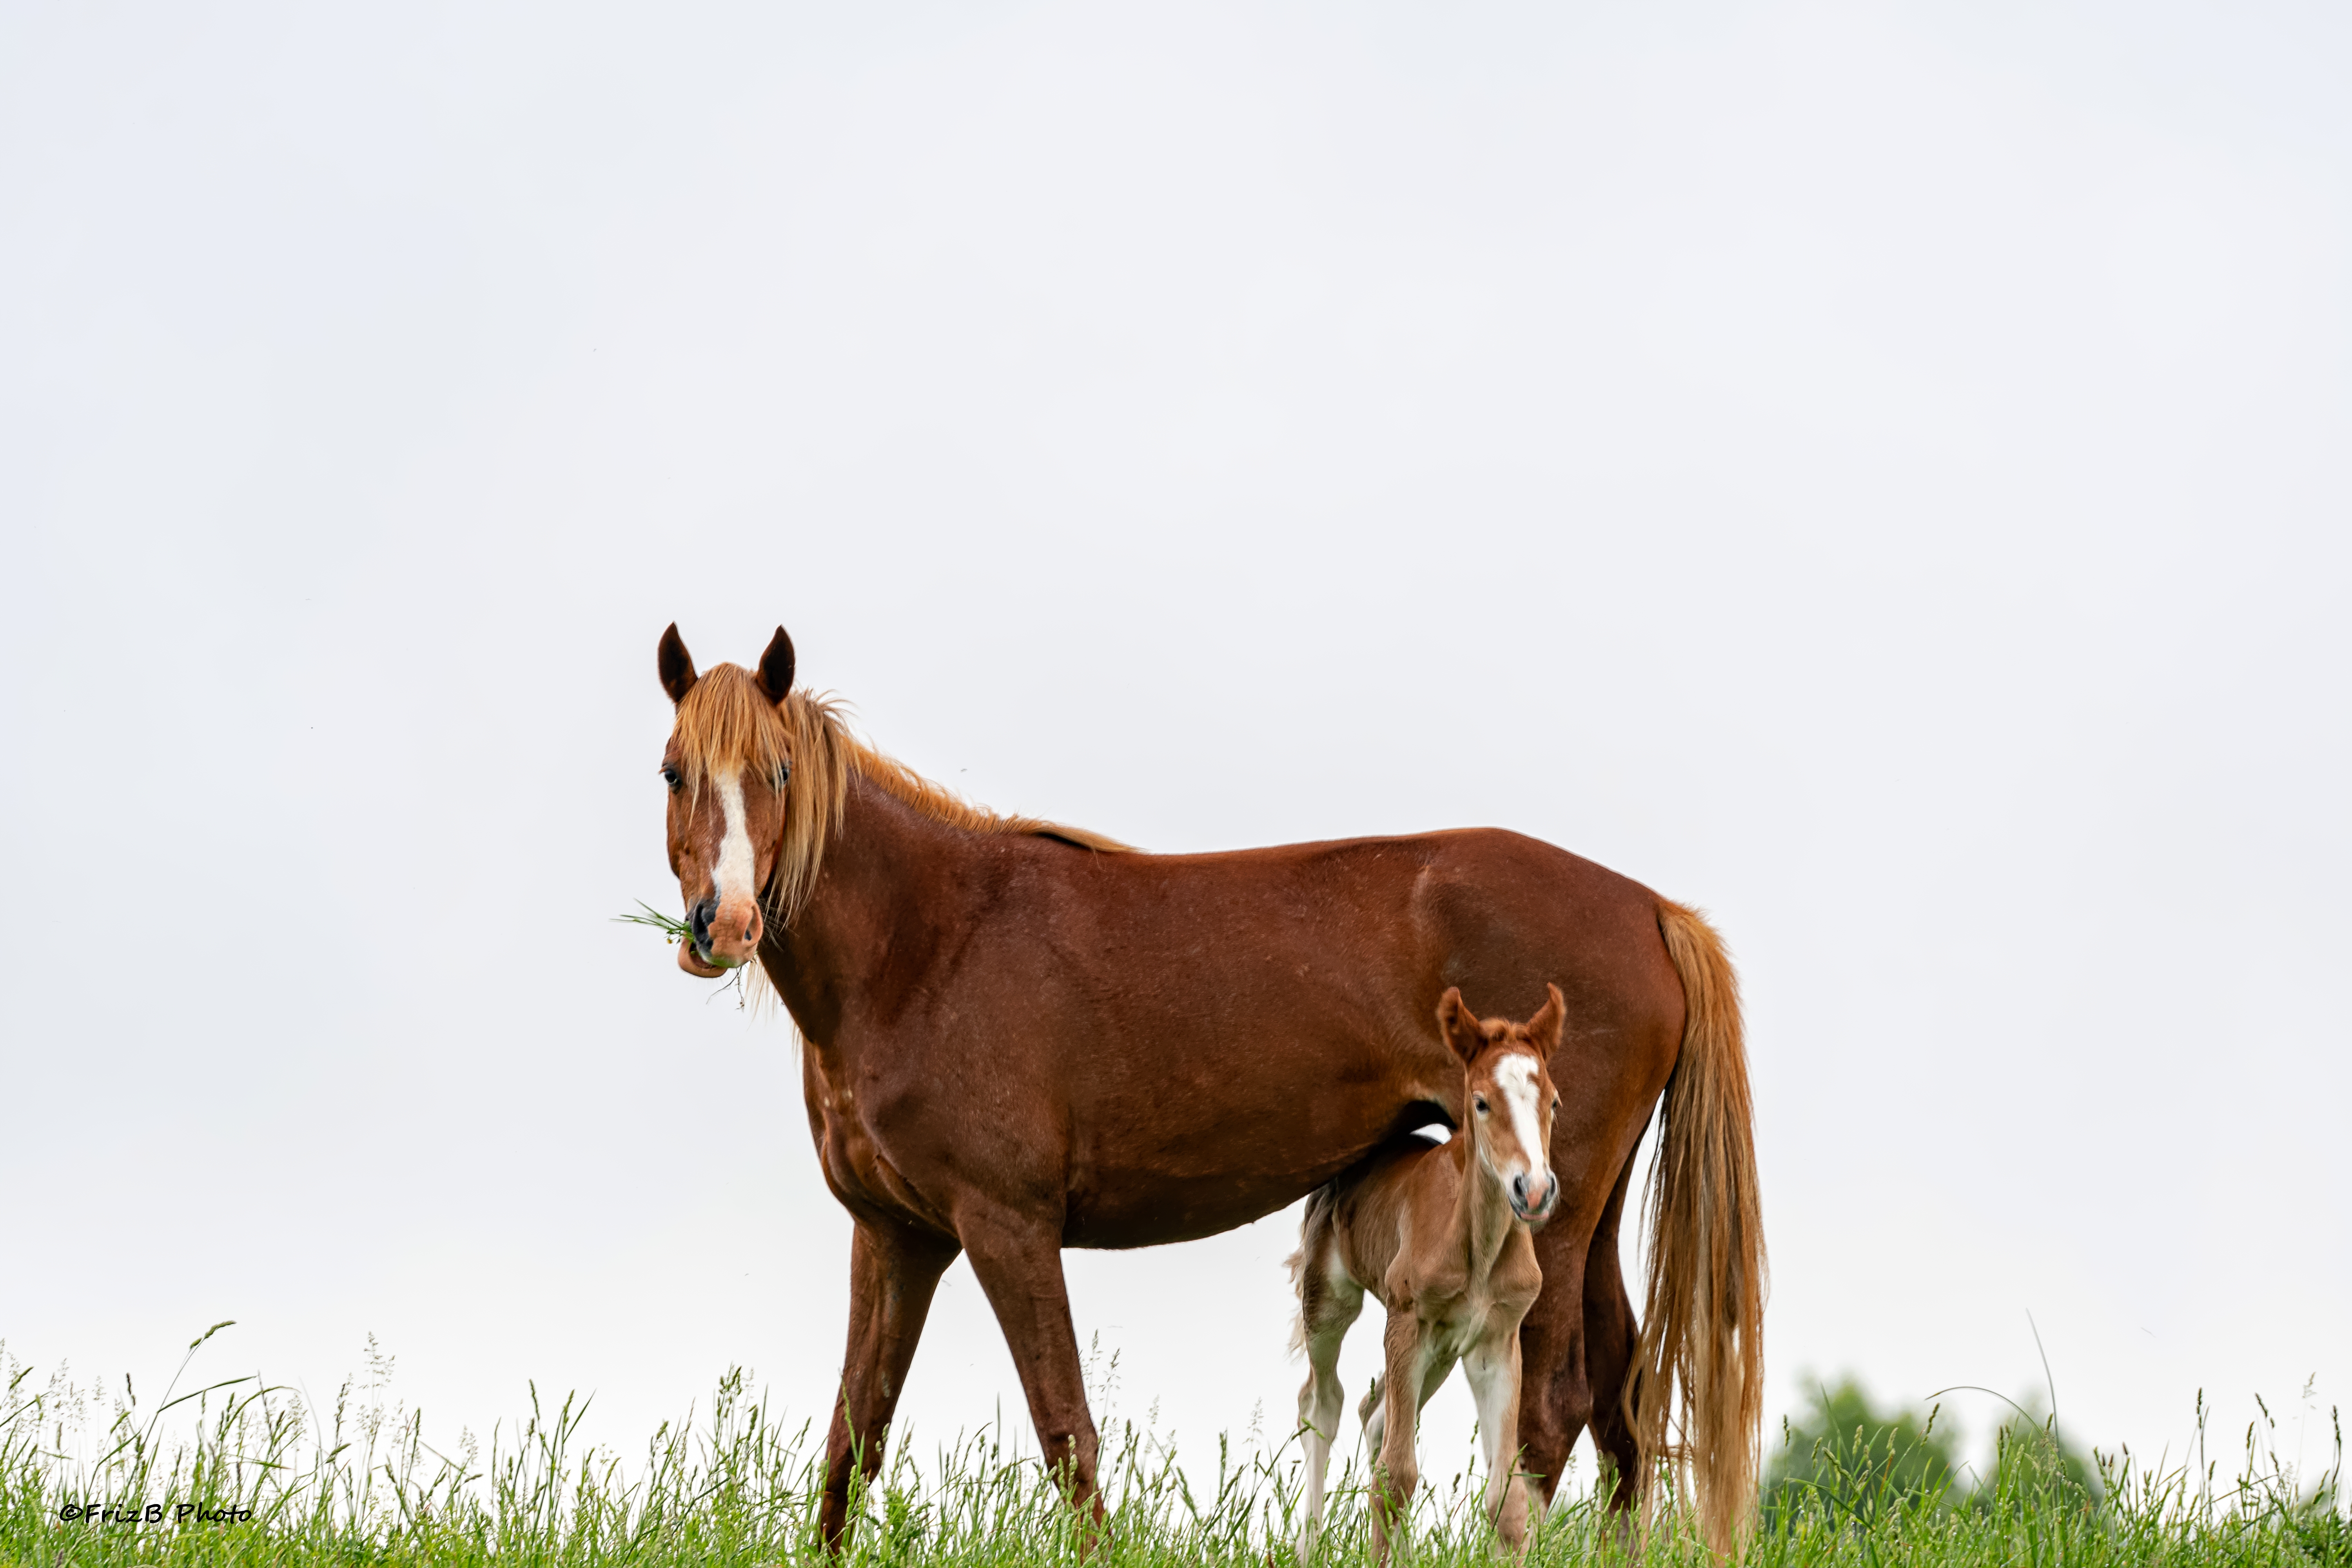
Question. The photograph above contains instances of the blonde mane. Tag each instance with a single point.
(726, 720)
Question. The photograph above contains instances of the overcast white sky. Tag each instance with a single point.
(1881, 472)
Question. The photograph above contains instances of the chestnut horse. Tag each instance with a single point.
(1445, 1237)
(1022, 1037)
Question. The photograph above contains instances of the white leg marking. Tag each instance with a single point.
(1495, 1391)
(1494, 1372)
(1322, 1400)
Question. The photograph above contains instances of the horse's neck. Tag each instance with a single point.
(885, 866)
(1482, 1219)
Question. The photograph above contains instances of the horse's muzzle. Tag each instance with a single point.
(726, 935)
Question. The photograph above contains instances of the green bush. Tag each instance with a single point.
(1842, 1455)
(2033, 1461)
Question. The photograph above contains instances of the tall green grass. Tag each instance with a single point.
(234, 1472)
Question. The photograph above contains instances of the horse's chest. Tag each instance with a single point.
(1460, 1313)
(856, 1165)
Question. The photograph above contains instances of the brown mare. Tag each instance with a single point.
(1022, 1037)
(1445, 1237)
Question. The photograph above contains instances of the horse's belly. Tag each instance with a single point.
(1135, 1212)
(1136, 1181)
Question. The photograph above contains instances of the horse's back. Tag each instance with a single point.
(1482, 907)
(1511, 913)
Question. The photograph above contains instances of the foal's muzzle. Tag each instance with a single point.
(1545, 1193)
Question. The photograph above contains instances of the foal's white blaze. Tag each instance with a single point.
(732, 876)
(1514, 1075)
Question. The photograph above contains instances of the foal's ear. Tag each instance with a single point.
(776, 667)
(678, 675)
(1459, 1024)
(1544, 1027)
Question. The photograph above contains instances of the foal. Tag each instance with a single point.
(1440, 1233)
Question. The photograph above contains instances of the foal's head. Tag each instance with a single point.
(726, 764)
(1511, 1097)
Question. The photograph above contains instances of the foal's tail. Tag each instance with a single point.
(1703, 1328)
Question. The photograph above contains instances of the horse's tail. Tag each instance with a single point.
(1703, 1328)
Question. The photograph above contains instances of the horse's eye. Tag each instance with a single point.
(1555, 1102)
(669, 776)
(784, 776)
(1482, 1106)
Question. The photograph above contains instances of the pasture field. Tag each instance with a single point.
(253, 1478)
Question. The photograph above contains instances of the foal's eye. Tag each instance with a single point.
(784, 776)
(669, 776)
(1481, 1103)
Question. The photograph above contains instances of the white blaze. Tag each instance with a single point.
(733, 875)
(1515, 1076)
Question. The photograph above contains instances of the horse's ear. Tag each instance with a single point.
(776, 667)
(678, 675)
(1544, 1027)
(1459, 1024)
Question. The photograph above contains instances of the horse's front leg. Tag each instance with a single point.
(1018, 1261)
(892, 1276)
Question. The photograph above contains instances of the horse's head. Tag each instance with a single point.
(727, 765)
(1511, 1097)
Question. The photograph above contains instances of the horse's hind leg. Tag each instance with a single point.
(1555, 1401)
(1336, 1301)
(1019, 1263)
(1610, 1331)
(1575, 1345)
(892, 1276)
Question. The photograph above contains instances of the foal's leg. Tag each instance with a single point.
(1321, 1400)
(1018, 1260)
(892, 1275)
(1396, 1471)
(1493, 1368)
(1374, 1411)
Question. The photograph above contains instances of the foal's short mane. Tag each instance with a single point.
(726, 720)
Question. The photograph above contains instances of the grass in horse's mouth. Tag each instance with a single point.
(741, 978)
(671, 928)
